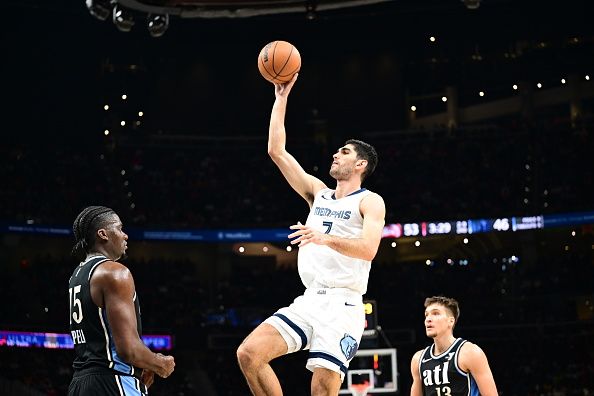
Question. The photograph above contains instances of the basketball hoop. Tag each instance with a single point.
(371, 372)
(360, 389)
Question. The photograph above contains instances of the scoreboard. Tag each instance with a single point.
(394, 230)
(462, 227)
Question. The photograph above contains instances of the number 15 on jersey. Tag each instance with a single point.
(75, 304)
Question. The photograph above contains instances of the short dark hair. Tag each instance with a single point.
(447, 302)
(85, 226)
(366, 152)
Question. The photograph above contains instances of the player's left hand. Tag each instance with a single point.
(147, 377)
(305, 235)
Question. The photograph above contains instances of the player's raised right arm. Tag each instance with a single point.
(305, 184)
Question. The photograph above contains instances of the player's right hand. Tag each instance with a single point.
(167, 365)
(282, 90)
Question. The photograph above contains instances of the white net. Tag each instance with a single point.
(360, 389)
(360, 381)
(377, 368)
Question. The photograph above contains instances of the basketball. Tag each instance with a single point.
(279, 61)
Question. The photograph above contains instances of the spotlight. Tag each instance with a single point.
(310, 10)
(472, 4)
(122, 18)
(157, 24)
(100, 9)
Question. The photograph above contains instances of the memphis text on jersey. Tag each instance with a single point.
(337, 214)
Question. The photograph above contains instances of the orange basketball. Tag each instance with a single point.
(279, 61)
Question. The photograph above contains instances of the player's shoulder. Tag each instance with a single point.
(415, 361)
(470, 348)
(417, 356)
(470, 356)
(318, 186)
(372, 195)
(372, 200)
(317, 190)
(112, 271)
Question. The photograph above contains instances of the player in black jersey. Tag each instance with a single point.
(450, 366)
(111, 358)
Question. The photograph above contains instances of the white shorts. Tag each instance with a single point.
(329, 322)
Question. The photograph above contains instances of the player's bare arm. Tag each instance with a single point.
(472, 359)
(416, 388)
(305, 184)
(373, 211)
(112, 288)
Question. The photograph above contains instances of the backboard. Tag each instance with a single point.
(377, 367)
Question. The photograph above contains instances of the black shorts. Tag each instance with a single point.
(106, 385)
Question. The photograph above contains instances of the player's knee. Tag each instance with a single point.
(246, 356)
(323, 387)
(325, 382)
(320, 389)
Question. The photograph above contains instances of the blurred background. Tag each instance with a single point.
(482, 115)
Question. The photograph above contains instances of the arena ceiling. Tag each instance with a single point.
(240, 8)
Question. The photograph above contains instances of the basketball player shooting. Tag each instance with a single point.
(336, 245)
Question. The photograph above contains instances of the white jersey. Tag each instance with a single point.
(321, 266)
